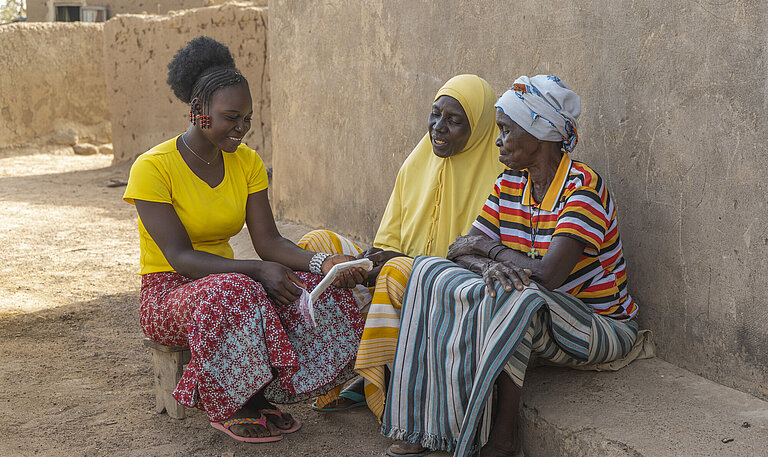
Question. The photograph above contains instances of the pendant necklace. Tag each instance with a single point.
(532, 253)
(193, 152)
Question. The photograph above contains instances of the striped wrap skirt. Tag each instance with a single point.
(455, 340)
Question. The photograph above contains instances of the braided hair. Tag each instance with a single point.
(201, 68)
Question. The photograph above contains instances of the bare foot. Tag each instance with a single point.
(251, 430)
(275, 417)
(406, 448)
(502, 449)
(357, 386)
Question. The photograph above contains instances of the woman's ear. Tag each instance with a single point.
(195, 106)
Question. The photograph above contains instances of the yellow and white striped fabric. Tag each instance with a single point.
(382, 317)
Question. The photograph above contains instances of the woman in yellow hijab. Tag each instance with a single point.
(440, 189)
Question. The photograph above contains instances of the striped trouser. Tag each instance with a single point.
(377, 346)
(455, 340)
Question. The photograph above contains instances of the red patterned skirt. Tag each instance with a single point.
(241, 342)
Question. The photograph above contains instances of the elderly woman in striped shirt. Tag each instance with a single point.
(543, 274)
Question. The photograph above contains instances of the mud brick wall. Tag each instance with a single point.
(52, 87)
(137, 49)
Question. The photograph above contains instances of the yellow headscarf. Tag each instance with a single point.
(434, 199)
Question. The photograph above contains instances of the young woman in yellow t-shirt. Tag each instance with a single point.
(248, 340)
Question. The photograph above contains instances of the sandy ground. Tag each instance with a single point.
(75, 379)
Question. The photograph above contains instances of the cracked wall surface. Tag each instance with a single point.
(674, 98)
(52, 88)
(138, 48)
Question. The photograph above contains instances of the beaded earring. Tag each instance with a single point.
(205, 121)
(192, 116)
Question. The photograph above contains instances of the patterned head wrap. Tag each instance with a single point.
(545, 107)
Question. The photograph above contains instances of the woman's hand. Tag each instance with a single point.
(379, 257)
(478, 245)
(348, 278)
(280, 282)
(508, 275)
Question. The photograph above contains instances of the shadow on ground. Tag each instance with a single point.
(77, 381)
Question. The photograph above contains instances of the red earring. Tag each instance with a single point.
(192, 117)
(205, 121)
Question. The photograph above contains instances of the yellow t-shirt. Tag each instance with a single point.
(211, 216)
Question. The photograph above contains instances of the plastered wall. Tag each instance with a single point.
(674, 99)
(138, 48)
(52, 88)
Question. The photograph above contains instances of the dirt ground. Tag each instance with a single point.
(75, 379)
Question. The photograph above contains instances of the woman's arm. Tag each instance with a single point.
(272, 246)
(164, 226)
(551, 271)
(266, 239)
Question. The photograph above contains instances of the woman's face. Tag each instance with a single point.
(449, 128)
(517, 148)
(231, 112)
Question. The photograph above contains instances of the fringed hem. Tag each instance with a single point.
(427, 440)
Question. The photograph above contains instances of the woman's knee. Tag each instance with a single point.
(398, 266)
(317, 240)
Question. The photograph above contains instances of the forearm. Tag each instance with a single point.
(284, 251)
(197, 264)
(473, 263)
(537, 267)
(492, 250)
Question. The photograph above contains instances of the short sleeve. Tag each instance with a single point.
(256, 173)
(148, 181)
(584, 218)
(488, 220)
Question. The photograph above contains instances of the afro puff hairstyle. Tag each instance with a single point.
(200, 68)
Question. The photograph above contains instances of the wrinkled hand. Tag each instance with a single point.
(348, 278)
(508, 275)
(470, 245)
(280, 282)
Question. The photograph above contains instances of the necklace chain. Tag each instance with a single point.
(193, 151)
(532, 253)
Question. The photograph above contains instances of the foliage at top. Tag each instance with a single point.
(12, 9)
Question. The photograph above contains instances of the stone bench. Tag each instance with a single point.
(168, 365)
(650, 408)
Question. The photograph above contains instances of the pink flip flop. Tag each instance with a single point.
(225, 427)
(276, 412)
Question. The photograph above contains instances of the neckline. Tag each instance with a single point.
(555, 189)
(191, 171)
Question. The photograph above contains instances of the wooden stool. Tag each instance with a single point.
(168, 363)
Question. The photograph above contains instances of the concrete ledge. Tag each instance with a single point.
(650, 409)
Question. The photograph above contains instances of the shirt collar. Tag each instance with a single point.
(555, 188)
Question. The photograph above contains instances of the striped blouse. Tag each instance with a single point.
(578, 205)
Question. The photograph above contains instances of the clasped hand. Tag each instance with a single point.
(348, 278)
(508, 275)
(283, 286)
(379, 257)
(470, 245)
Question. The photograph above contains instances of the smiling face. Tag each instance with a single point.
(517, 148)
(231, 110)
(449, 127)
